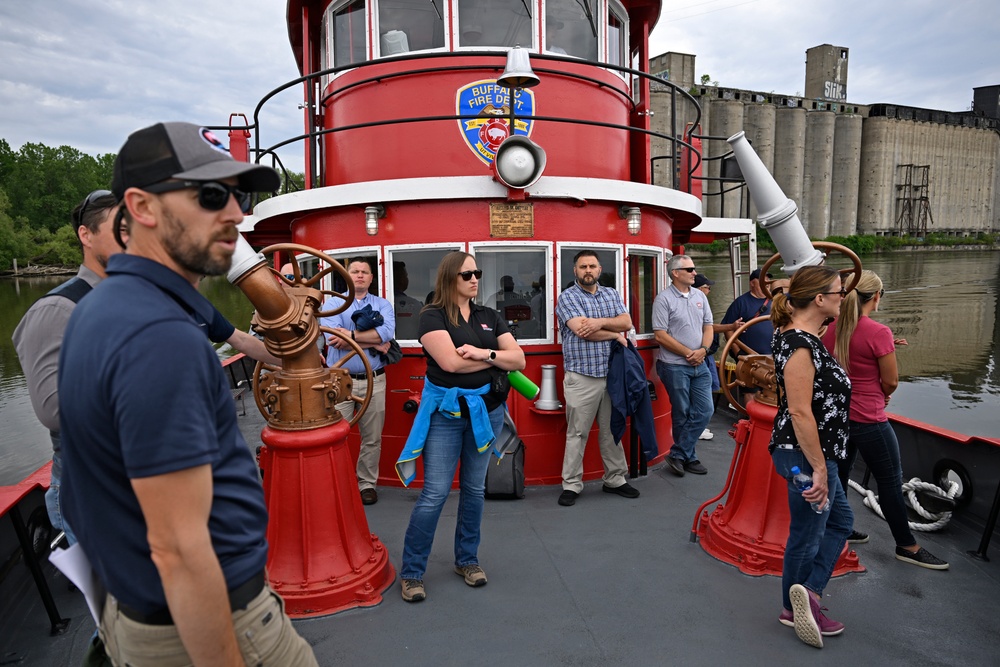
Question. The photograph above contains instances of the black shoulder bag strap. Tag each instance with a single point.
(74, 289)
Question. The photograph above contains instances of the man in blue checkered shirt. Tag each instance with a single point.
(592, 318)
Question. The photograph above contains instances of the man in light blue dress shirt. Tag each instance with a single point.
(372, 341)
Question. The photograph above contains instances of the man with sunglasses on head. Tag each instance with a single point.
(39, 336)
(682, 322)
(160, 486)
(591, 318)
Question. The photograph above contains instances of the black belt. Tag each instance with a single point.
(239, 598)
(364, 376)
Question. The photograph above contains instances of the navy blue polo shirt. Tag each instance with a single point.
(141, 394)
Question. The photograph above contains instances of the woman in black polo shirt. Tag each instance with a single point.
(468, 349)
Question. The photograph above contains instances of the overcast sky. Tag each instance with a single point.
(87, 72)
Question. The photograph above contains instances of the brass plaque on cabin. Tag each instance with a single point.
(509, 220)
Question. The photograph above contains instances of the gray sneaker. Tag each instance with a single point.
(474, 575)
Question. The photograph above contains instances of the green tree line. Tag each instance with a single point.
(39, 187)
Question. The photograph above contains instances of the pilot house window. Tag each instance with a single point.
(410, 25)
(571, 28)
(487, 23)
(344, 34)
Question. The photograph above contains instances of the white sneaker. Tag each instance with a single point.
(706, 435)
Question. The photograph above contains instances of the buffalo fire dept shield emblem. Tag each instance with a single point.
(490, 104)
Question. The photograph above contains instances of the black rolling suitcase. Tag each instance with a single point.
(505, 477)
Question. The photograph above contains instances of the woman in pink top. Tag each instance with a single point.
(867, 351)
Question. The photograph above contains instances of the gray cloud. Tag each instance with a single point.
(86, 73)
(918, 53)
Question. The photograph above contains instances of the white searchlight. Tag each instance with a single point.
(776, 213)
(519, 162)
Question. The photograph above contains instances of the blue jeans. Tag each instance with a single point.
(814, 540)
(690, 391)
(53, 504)
(879, 448)
(448, 442)
(713, 371)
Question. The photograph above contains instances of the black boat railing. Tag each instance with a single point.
(675, 141)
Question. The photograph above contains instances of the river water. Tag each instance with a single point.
(944, 303)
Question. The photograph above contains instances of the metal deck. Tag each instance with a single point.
(614, 581)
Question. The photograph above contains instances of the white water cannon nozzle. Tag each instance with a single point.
(776, 213)
(244, 259)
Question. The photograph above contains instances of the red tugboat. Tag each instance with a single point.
(407, 123)
(510, 129)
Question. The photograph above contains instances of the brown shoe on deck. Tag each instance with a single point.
(369, 496)
(413, 590)
(474, 575)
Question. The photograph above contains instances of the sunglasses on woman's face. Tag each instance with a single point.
(467, 275)
(212, 195)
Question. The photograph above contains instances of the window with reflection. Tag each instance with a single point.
(606, 257)
(413, 274)
(494, 23)
(336, 283)
(571, 28)
(343, 36)
(513, 284)
(617, 34)
(410, 25)
(643, 284)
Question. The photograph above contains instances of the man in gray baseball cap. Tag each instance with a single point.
(160, 486)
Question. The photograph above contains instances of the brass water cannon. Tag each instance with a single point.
(757, 371)
(302, 394)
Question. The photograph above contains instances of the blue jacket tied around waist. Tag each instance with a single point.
(438, 399)
(629, 393)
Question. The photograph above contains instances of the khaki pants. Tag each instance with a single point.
(371, 429)
(587, 398)
(263, 631)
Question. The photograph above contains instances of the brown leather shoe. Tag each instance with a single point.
(369, 496)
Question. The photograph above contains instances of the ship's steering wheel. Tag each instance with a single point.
(854, 271)
(725, 383)
(734, 340)
(298, 280)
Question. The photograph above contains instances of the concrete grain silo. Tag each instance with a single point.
(876, 175)
(817, 174)
(789, 151)
(758, 123)
(846, 171)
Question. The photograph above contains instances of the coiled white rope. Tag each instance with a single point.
(935, 520)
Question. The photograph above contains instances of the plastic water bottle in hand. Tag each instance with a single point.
(803, 482)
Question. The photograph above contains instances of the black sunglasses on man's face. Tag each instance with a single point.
(212, 195)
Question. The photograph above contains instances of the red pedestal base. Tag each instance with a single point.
(751, 528)
(322, 557)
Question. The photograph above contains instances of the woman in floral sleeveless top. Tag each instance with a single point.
(810, 431)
